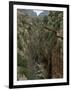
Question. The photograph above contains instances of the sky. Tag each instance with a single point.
(38, 11)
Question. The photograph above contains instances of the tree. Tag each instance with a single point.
(55, 20)
(45, 20)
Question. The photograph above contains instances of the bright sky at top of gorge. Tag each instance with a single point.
(38, 11)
